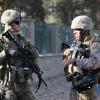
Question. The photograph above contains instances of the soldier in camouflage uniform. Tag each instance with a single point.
(81, 26)
(16, 87)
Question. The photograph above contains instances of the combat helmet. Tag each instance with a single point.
(9, 16)
(82, 22)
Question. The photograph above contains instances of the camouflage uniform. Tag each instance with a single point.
(21, 89)
(84, 23)
(88, 63)
(16, 86)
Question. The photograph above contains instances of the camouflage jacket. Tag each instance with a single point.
(92, 44)
(94, 58)
(6, 43)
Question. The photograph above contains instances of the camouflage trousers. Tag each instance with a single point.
(10, 95)
(86, 95)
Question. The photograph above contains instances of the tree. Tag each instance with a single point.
(94, 6)
(65, 10)
(33, 8)
(69, 9)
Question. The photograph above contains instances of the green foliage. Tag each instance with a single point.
(66, 9)
(94, 6)
(33, 8)
(69, 9)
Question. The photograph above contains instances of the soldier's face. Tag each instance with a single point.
(16, 26)
(77, 34)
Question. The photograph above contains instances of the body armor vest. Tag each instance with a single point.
(82, 79)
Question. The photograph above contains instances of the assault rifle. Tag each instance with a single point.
(87, 79)
(78, 47)
(78, 52)
(27, 59)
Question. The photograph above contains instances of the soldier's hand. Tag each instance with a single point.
(67, 52)
(67, 62)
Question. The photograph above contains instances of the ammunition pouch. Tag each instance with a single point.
(87, 82)
(27, 72)
(72, 76)
(22, 74)
(81, 82)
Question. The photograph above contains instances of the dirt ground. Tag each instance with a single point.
(57, 89)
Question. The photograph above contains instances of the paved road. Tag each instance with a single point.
(58, 89)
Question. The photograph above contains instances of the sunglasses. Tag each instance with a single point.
(16, 22)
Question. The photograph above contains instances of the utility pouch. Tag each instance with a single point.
(84, 84)
(22, 74)
(72, 76)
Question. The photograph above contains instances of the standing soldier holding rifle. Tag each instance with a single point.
(17, 60)
(82, 60)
